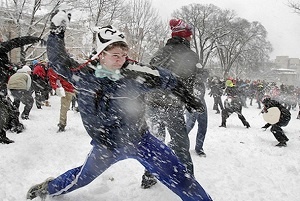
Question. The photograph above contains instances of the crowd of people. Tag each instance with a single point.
(168, 93)
(254, 91)
(27, 84)
(267, 96)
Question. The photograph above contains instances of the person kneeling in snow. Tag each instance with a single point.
(112, 108)
(284, 119)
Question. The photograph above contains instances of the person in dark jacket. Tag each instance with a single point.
(111, 104)
(216, 91)
(5, 111)
(6, 67)
(164, 109)
(284, 119)
(232, 104)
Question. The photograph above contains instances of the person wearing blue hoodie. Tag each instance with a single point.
(110, 99)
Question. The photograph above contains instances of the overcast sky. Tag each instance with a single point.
(282, 24)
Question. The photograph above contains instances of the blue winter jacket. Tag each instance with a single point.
(112, 111)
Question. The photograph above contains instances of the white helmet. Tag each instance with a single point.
(106, 36)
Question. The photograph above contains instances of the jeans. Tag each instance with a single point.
(202, 126)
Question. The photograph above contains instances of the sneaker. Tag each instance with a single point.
(201, 153)
(24, 116)
(223, 125)
(39, 190)
(247, 125)
(61, 128)
(6, 140)
(281, 144)
(148, 180)
(18, 129)
(47, 104)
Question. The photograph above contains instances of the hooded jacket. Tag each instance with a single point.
(112, 111)
(21, 80)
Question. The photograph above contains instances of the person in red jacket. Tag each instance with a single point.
(40, 84)
(66, 91)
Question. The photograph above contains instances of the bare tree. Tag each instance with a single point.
(23, 19)
(98, 13)
(209, 24)
(243, 37)
(143, 28)
(295, 5)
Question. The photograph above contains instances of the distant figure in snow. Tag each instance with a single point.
(284, 119)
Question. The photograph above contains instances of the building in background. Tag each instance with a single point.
(287, 70)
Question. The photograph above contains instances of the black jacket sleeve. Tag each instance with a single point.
(7, 46)
(185, 96)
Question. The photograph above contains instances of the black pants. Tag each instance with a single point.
(217, 103)
(40, 97)
(8, 116)
(172, 118)
(23, 96)
(234, 106)
(277, 130)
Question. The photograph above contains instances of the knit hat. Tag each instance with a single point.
(106, 36)
(35, 62)
(24, 69)
(180, 28)
(229, 83)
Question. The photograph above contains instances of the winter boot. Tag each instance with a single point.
(223, 125)
(39, 190)
(281, 144)
(18, 129)
(201, 153)
(246, 124)
(298, 117)
(4, 139)
(61, 128)
(47, 103)
(24, 116)
(148, 180)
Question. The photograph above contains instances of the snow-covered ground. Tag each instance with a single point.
(241, 164)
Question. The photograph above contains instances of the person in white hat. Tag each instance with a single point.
(111, 104)
(19, 85)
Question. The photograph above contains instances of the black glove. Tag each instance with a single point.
(59, 21)
(193, 104)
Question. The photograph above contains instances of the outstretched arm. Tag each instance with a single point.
(156, 77)
(7, 46)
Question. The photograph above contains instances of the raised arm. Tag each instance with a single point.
(59, 59)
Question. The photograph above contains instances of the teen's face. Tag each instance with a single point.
(113, 59)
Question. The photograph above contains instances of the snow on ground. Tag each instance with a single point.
(241, 164)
